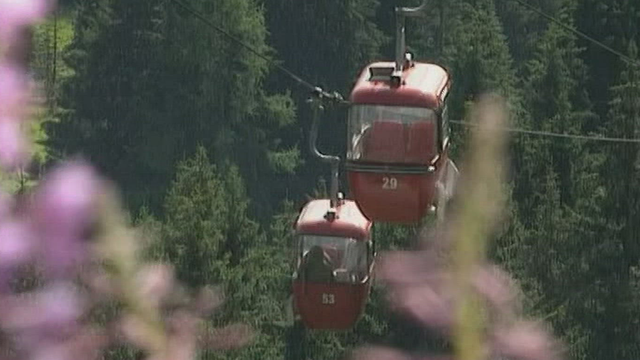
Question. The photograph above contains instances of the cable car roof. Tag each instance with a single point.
(348, 222)
(424, 85)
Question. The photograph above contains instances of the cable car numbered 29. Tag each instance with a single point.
(398, 141)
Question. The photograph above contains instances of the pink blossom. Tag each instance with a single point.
(64, 210)
(207, 300)
(156, 282)
(6, 203)
(407, 267)
(16, 242)
(49, 310)
(497, 287)
(13, 145)
(47, 323)
(16, 14)
(86, 345)
(429, 303)
(379, 353)
(62, 254)
(14, 95)
(65, 202)
(386, 353)
(525, 341)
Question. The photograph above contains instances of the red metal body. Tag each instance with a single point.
(331, 305)
(395, 179)
(424, 85)
(408, 202)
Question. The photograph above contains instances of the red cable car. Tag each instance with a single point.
(335, 259)
(397, 156)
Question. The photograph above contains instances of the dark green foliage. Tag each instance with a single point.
(196, 225)
(614, 23)
(329, 42)
(619, 292)
(166, 84)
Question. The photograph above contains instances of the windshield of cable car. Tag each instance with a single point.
(392, 134)
(328, 259)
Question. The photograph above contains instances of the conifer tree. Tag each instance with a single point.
(195, 225)
(617, 328)
(152, 83)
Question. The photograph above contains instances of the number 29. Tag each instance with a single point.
(389, 183)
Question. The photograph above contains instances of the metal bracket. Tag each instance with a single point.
(401, 14)
(317, 105)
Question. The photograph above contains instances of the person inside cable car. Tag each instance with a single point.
(354, 264)
(333, 259)
(317, 265)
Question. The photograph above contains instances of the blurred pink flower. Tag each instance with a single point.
(497, 287)
(14, 98)
(85, 345)
(63, 210)
(207, 300)
(64, 203)
(16, 14)
(48, 311)
(418, 281)
(407, 267)
(416, 287)
(386, 353)
(46, 323)
(13, 146)
(156, 282)
(16, 243)
(419, 287)
(6, 203)
(379, 353)
(525, 341)
(429, 303)
(14, 95)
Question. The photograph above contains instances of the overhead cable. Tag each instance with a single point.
(553, 134)
(622, 56)
(315, 89)
(337, 97)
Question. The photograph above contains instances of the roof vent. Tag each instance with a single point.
(380, 73)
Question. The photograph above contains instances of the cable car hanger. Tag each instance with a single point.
(401, 14)
(316, 103)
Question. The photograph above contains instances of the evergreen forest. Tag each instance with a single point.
(208, 144)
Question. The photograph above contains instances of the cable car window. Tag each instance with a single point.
(392, 134)
(445, 127)
(329, 258)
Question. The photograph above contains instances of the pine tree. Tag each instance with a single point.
(195, 225)
(477, 52)
(524, 27)
(558, 188)
(557, 103)
(617, 326)
(152, 83)
(112, 57)
(327, 43)
(613, 23)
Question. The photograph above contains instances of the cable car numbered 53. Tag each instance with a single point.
(334, 263)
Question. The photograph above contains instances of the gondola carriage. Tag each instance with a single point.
(334, 262)
(398, 141)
